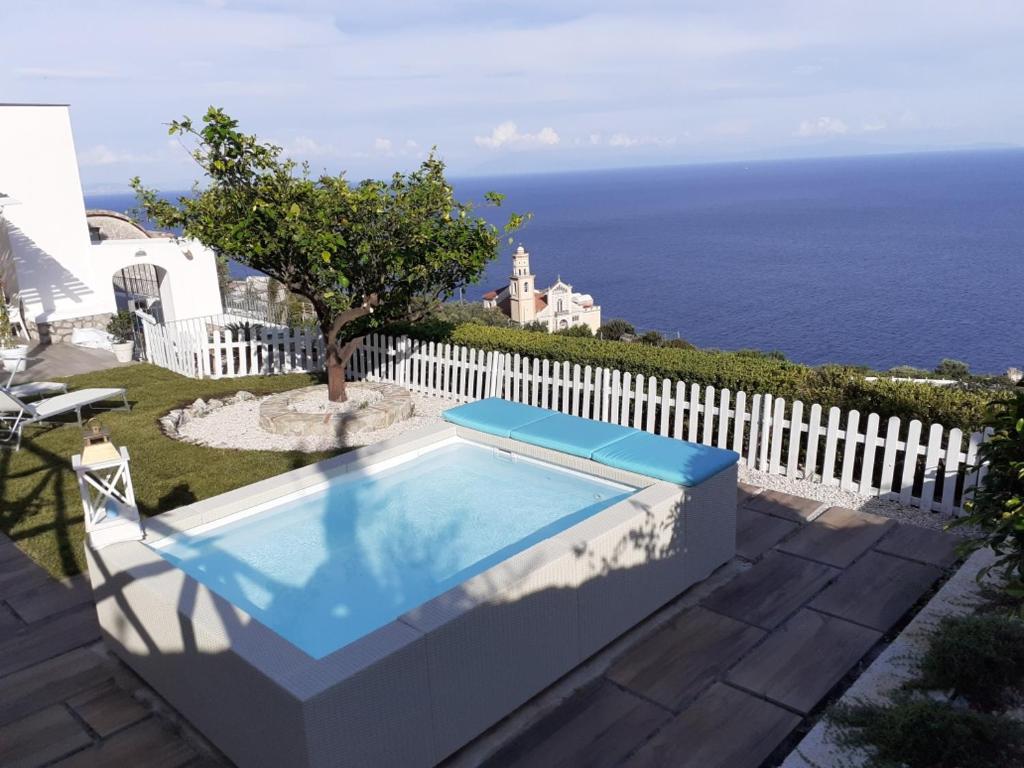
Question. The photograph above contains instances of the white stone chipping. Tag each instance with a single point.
(236, 425)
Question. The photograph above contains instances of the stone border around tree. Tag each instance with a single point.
(175, 419)
(277, 416)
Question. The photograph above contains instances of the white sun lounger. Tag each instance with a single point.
(33, 388)
(15, 414)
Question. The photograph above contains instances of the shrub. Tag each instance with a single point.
(120, 327)
(679, 344)
(615, 329)
(843, 387)
(921, 733)
(535, 327)
(953, 369)
(978, 657)
(997, 507)
(577, 331)
(652, 338)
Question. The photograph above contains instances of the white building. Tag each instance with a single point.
(557, 307)
(65, 271)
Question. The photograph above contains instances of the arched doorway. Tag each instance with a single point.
(141, 286)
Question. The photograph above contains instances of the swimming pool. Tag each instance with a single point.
(386, 606)
(329, 565)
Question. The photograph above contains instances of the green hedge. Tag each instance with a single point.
(828, 385)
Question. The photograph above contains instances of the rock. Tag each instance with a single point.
(169, 424)
(241, 396)
(183, 418)
(198, 408)
(213, 403)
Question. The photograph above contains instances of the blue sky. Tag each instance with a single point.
(518, 87)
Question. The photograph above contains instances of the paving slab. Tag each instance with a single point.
(9, 623)
(877, 590)
(107, 709)
(837, 536)
(598, 726)
(724, 728)
(18, 573)
(49, 682)
(50, 637)
(795, 508)
(41, 738)
(51, 597)
(757, 532)
(744, 492)
(149, 744)
(801, 661)
(922, 544)
(678, 661)
(772, 590)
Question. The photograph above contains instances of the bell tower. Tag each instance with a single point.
(523, 306)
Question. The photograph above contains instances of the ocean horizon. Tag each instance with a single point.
(878, 260)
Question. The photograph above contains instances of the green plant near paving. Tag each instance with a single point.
(39, 502)
(997, 508)
(979, 657)
(916, 732)
(832, 385)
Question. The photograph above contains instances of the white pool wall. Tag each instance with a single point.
(420, 687)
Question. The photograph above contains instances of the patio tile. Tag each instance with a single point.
(45, 639)
(681, 659)
(51, 597)
(744, 491)
(39, 686)
(18, 573)
(40, 738)
(771, 590)
(9, 623)
(795, 508)
(837, 537)
(724, 728)
(149, 744)
(107, 709)
(877, 590)
(801, 661)
(596, 727)
(922, 544)
(757, 532)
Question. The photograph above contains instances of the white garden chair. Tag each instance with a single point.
(15, 414)
(33, 388)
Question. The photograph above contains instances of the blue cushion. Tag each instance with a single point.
(570, 434)
(494, 416)
(666, 458)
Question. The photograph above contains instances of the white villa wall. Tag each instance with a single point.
(47, 231)
(61, 275)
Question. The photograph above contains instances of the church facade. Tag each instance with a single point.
(558, 306)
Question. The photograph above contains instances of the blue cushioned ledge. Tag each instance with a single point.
(666, 458)
(495, 416)
(570, 434)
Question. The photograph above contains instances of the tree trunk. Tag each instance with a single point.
(337, 362)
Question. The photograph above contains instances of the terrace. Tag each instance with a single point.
(731, 672)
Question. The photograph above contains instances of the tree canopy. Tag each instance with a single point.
(359, 252)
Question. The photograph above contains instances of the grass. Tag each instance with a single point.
(40, 507)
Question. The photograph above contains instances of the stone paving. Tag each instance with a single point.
(725, 682)
(57, 360)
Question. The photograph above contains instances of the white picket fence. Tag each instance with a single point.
(927, 467)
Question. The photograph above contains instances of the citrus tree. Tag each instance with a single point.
(361, 253)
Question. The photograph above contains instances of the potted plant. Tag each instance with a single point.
(123, 344)
(12, 353)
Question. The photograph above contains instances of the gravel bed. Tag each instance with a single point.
(315, 400)
(237, 426)
(837, 497)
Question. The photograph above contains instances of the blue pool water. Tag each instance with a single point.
(331, 566)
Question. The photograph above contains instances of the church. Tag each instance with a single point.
(557, 307)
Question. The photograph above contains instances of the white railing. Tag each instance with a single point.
(927, 467)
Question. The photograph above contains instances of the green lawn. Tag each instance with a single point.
(39, 503)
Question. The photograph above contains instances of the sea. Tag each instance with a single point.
(878, 261)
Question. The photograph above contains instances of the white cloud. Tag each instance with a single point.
(55, 73)
(508, 135)
(624, 140)
(101, 154)
(872, 126)
(822, 126)
(304, 146)
(382, 145)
